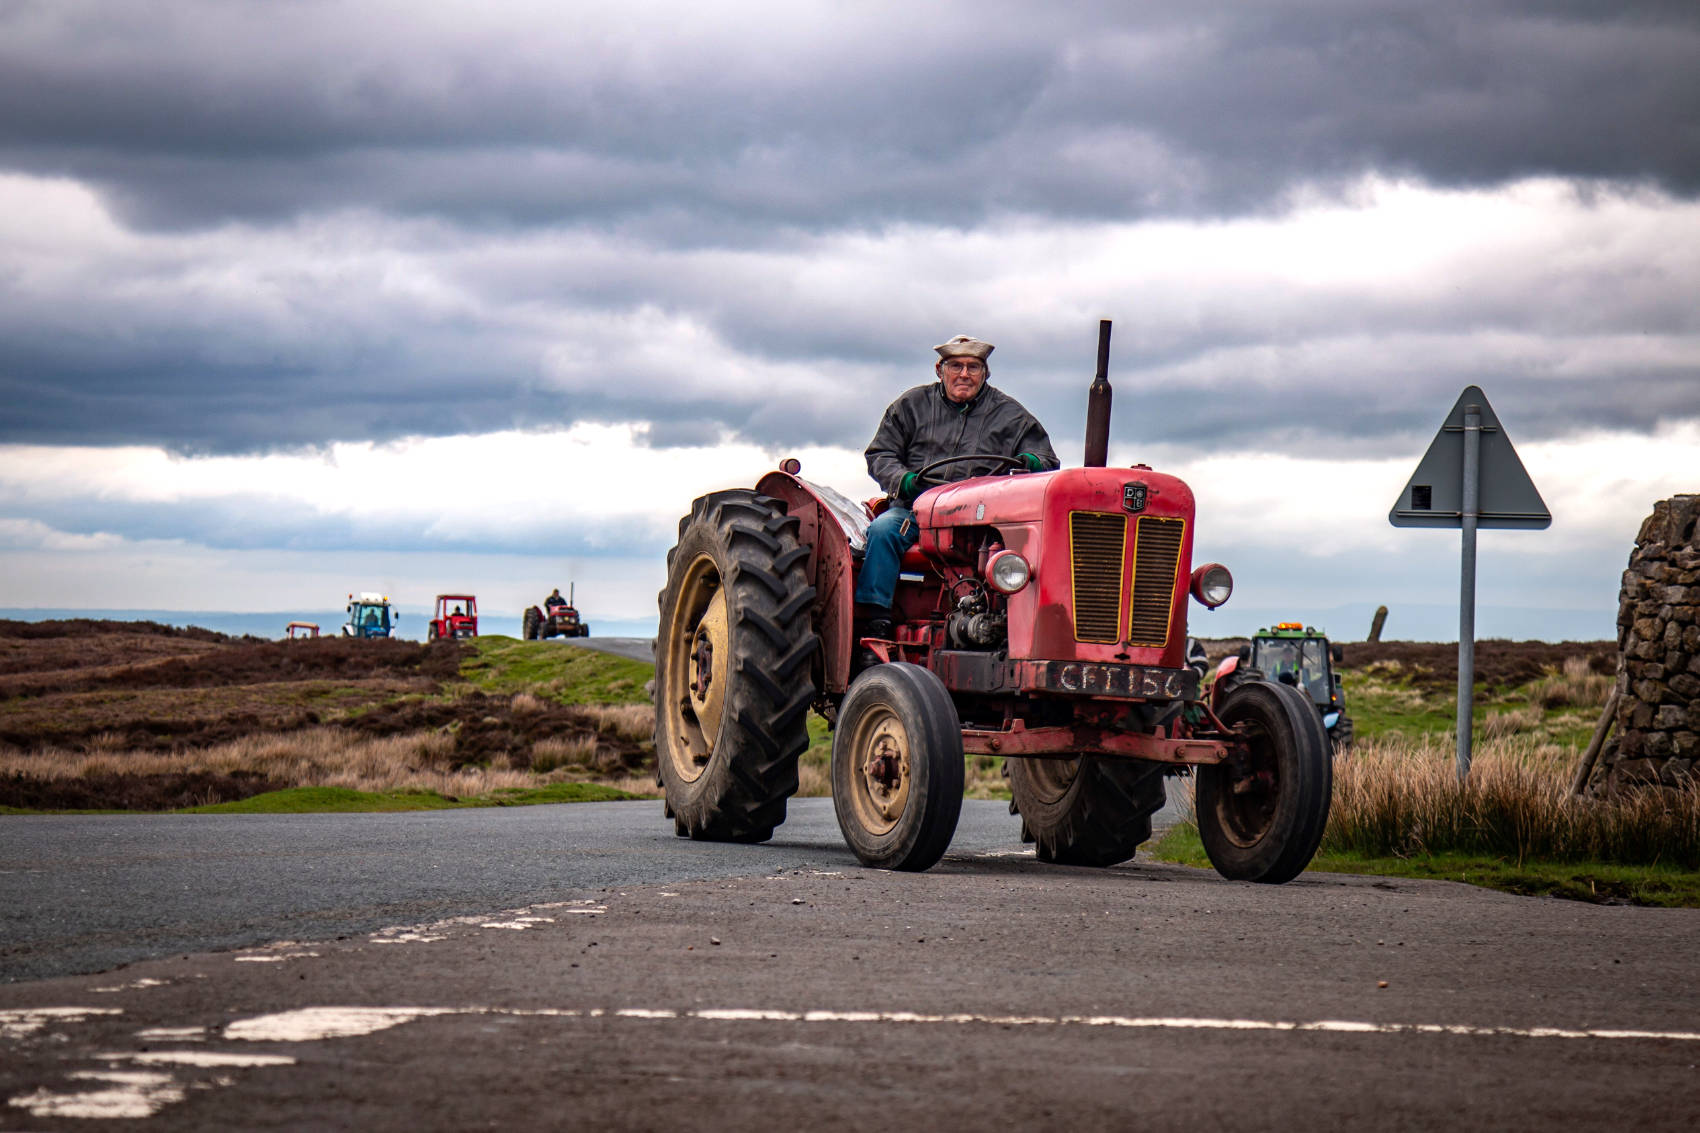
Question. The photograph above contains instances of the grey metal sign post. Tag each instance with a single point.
(1470, 478)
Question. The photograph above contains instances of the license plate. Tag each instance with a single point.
(1088, 678)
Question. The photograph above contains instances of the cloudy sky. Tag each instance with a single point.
(302, 298)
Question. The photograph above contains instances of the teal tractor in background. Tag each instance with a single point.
(370, 615)
(1298, 655)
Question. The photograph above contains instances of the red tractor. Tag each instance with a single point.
(557, 617)
(1041, 618)
(462, 621)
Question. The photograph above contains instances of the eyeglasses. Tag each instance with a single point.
(964, 367)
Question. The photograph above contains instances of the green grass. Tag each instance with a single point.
(549, 669)
(1598, 882)
(341, 800)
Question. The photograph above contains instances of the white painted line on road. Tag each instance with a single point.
(133, 985)
(16, 1023)
(313, 1023)
(510, 919)
(172, 1034)
(273, 957)
(198, 1058)
(127, 1093)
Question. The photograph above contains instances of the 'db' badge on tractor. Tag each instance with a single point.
(1133, 497)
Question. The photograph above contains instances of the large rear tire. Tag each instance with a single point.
(528, 626)
(897, 767)
(733, 682)
(1088, 810)
(1262, 820)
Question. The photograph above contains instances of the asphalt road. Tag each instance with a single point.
(655, 983)
(84, 893)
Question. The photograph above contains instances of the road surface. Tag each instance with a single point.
(670, 985)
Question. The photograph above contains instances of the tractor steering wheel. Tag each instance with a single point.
(1011, 463)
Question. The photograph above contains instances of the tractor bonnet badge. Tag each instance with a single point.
(1133, 497)
(980, 512)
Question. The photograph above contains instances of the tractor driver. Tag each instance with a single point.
(958, 415)
(554, 599)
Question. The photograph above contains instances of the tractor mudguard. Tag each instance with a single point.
(835, 529)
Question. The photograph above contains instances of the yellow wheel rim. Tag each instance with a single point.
(697, 663)
(879, 772)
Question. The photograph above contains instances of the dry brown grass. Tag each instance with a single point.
(327, 757)
(1576, 685)
(1403, 798)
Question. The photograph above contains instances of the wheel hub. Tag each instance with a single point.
(884, 780)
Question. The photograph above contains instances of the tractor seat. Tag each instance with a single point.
(915, 561)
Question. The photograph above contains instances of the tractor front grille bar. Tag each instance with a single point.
(1157, 556)
(1098, 548)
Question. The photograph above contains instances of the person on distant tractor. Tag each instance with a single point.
(554, 599)
(457, 613)
(958, 415)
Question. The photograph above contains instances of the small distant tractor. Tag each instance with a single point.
(301, 629)
(462, 621)
(370, 615)
(1041, 617)
(1298, 655)
(557, 617)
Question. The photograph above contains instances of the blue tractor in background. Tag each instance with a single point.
(370, 615)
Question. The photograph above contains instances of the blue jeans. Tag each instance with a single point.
(893, 533)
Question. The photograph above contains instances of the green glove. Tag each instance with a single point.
(907, 491)
(1034, 464)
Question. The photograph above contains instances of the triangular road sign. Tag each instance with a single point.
(1434, 497)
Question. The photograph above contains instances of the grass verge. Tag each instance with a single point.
(566, 674)
(1604, 883)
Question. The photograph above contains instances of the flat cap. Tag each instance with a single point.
(964, 346)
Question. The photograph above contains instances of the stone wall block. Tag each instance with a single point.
(1686, 685)
(1648, 629)
(1657, 745)
(1630, 743)
(1670, 717)
(1686, 744)
(1691, 638)
(1640, 716)
(1651, 692)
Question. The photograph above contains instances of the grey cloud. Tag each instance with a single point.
(196, 113)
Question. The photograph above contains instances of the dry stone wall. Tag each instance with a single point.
(1658, 637)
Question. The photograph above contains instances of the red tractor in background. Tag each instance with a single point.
(557, 617)
(447, 624)
(1041, 617)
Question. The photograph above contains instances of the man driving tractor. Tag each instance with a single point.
(959, 415)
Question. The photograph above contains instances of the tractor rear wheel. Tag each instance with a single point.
(528, 627)
(897, 767)
(1087, 810)
(733, 679)
(1262, 818)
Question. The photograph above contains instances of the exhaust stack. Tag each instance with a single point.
(1098, 404)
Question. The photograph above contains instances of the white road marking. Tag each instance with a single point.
(274, 957)
(172, 1034)
(312, 1023)
(510, 919)
(18, 1022)
(198, 1058)
(127, 1093)
(133, 985)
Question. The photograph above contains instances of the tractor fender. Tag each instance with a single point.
(835, 529)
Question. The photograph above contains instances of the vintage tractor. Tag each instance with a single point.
(295, 630)
(1040, 618)
(555, 618)
(1298, 655)
(461, 621)
(370, 615)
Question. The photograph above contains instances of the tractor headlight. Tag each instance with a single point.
(1212, 584)
(1008, 572)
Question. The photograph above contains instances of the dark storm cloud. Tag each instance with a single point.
(654, 158)
(192, 113)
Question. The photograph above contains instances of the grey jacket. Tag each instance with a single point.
(923, 425)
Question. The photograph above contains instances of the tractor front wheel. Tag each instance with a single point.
(1261, 818)
(1087, 810)
(897, 767)
(733, 679)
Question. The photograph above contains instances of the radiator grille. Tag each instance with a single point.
(1098, 545)
(1157, 555)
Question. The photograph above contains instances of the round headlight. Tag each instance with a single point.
(1008, 572)
(1212, 584)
